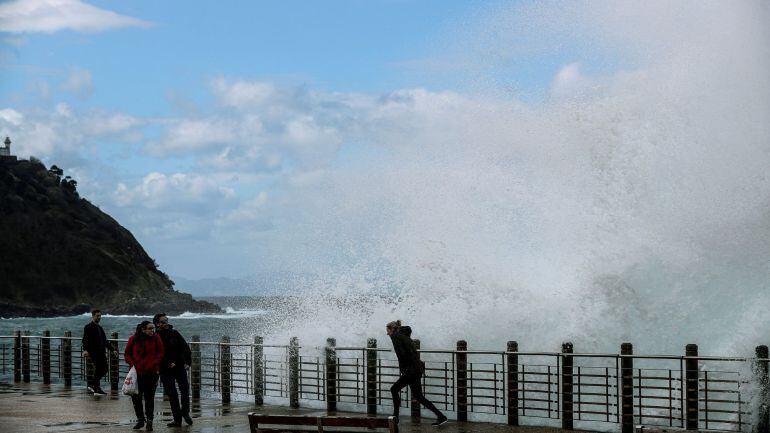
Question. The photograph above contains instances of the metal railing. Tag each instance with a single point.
(535, 388)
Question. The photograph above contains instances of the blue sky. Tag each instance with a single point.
(261, 137)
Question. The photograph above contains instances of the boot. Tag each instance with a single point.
(149, 425)
(139, 424)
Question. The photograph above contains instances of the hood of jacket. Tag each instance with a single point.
(406, 330)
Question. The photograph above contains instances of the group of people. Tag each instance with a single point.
(155, 351)
(158, 350)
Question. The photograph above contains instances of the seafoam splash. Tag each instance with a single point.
(628, 204)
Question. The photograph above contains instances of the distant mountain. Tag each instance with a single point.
(60, 255)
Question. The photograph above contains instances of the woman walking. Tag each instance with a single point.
(144, 352)
(411, 369)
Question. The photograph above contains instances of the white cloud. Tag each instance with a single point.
(11, 116)
(178, 191)
(569, 82)
(242, 94)
(80, 83)
(49, 16)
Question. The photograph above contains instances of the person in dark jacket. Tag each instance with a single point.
(94, 346)
(411, 369)
(173, 370)
(144, 352)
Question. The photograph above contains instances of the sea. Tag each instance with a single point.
(255, 314)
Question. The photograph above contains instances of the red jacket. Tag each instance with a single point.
(145, 355)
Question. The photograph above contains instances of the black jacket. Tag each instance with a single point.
(94, 339)
(408, 359)
(175, 349)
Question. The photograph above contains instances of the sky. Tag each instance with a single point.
(358, 137)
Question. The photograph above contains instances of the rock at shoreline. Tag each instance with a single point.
(61, 255)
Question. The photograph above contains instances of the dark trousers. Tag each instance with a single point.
(99, 363)
(413, 380)
(170, 379)
(147, 384)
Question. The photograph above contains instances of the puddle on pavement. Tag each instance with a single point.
(79, 424)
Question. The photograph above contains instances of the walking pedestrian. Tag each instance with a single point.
(177, 358)
(94, 346)
(411, 368)
(144, 352)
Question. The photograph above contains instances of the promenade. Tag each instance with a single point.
(38, 408)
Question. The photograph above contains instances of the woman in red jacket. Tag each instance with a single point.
(144, 352)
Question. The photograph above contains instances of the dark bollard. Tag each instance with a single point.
(691, 386)
(17, 356)
(627, 388)
(414, 405)
(67, 358)
(331, 375)
(294, 372)
(195, 368)
(462, 381)
(513, 382)
(225, 362)
(371, 376)
(114, 362)
(25, 359)
(45, 348)
(567, 390)
(761, 371)
(257, 365)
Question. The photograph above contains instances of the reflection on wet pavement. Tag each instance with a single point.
(37, 408)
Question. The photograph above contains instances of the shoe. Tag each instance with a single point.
(91, 389)
(139, 424)
(440, 421)
(174, 424)
(395, 419)
(149, 425)
(187, 419)
(99, 391)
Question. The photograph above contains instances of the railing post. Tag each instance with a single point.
(761, 370)
(257, 354)
(45, 348)
(627, 387)
(225, 361)
(513, 382)
(371, 376)
(25, 359)
(462, 381)
(331, 375)
(67, 358)
(17, 356)
(567, 395)
(114, 362)
(195, 368)
(294, 372)
(691, 386)
(414, 405)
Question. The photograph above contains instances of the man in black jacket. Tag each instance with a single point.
(173, 370)
(411, 369)
(94, 345)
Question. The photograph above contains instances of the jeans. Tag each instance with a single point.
(413, 380)
(170, 379)
(147, 384)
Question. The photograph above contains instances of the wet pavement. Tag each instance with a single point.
(34, 407)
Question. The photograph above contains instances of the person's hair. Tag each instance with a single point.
(95, 311)
(394, 324)
(140, 327)
(156, 318)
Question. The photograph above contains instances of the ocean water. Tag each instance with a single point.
(258, 315)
